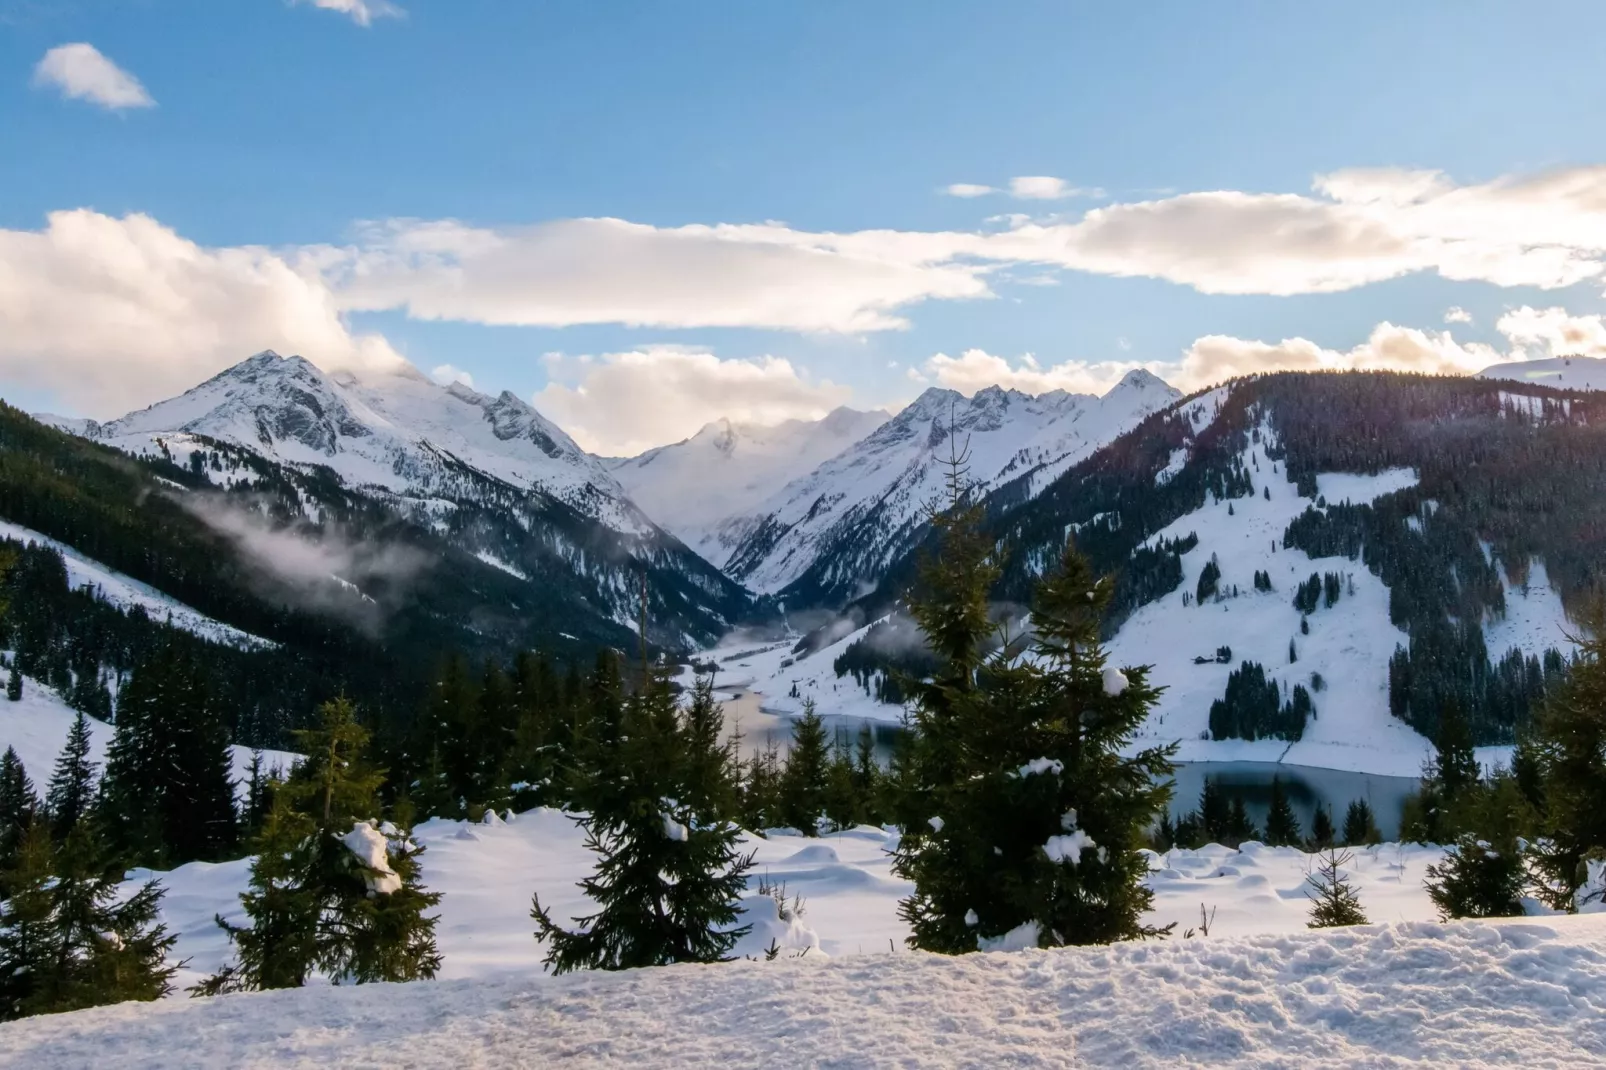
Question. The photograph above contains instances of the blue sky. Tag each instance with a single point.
(298, 135)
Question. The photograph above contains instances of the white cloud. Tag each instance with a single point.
(1555, 332)
(1457, 314)
(362, 12)
(112, 314)
(1214, 358)
(968, 189)
(1359, 227)
(1047, 188)
(610, 271)
(620, 404)
(975, 369)
(446, 374)
(1388, 348)
(82, 73)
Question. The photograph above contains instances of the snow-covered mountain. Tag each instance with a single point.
(705, 488)
(395, 429)
(831, 533)
(488, 474)
(1563, 373)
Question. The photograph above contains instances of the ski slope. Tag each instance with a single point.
(125, 592)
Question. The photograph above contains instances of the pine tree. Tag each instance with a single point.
(1240, 828)
(1333, 901)
(1477, 881)
(168, 796)
(1455, 764)
(258, 788)
(1037, 822)
(868, 779)
(666, 884)
(1571, 740)
(70, 939)
(26, 945)
(711, 776)
(18, 808)
(806, 774)
(14, 685)
(72, 785)
(842, 805)
(330, 889)
(1360, 826)
(1321, 828)
(761, 790)
(1282, 825)
(1215, 812)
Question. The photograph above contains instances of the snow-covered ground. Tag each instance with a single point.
(850, 897)
(1259, 990)
(125, 592)
(36, 726)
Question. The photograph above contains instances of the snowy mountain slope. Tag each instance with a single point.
(705, 488)
(36, 726)
(1348, 644)
(829, 535)
(397, 430)
(1445, 569)
(1562, 373)
(125, 592)
(310, 454)
(1259, 990)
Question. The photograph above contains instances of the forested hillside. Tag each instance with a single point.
(1506, 477)
(349, 592)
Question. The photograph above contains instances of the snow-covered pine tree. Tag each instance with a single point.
(72, 785)
(1333, 901)
(1477, 881)
(1571, 739)
(666, 883)
(69, 939)
(330, 889)
(1035, 834)
(14, 684)
(1282, 825)
(806, 775)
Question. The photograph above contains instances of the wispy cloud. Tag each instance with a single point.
(362, 12)
(968, 189)
(1047, 188)
(1457, 314)
(81, 72)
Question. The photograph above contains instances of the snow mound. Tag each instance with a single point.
(367, 843)
(1424, 994)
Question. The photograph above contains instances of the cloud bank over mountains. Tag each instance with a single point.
(110, 312)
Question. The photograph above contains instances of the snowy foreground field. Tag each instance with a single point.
(1468, 994)
(1259, 990)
